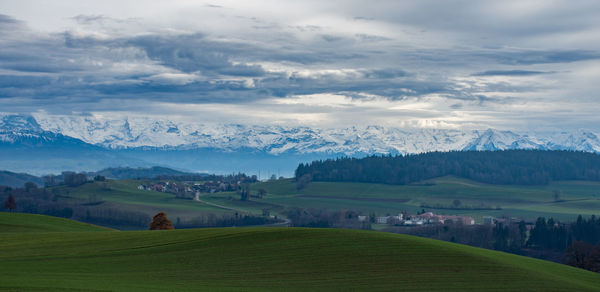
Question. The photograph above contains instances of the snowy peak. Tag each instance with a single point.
(499, 140)
(19, 123)
(276, 140)
(582, 140)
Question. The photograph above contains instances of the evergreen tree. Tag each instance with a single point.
(525, 167)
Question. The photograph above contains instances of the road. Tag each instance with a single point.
(286, 221)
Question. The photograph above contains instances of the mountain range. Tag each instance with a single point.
(43, 143)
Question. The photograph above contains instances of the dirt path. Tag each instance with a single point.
(197, 199)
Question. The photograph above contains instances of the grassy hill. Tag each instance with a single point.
(260, 259)
(20, 222)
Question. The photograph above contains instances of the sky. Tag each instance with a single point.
(516, 65)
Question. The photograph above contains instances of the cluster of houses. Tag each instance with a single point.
(189, 187)
(420, 219)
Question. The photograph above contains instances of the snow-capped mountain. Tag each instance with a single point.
(25, 131)
(165, 134)
(50, 144)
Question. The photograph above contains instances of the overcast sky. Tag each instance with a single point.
(519, 65)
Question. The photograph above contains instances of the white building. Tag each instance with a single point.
(382, 219)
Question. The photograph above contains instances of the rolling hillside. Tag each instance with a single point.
(16, 180)
(25, 223)
(261, 259)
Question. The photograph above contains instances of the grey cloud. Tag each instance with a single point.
(385, 73)
(87, 19)
(531, 57)
(370, 38)
(510, 73)
(5, 19)
(85, 72)
(331, 38)
(190, 53)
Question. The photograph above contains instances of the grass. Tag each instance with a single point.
(268, 259)
(20, 222)
(529, 202)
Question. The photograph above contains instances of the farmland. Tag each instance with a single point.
(529, 202)
(436, 195)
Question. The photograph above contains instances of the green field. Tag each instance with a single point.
(19, 222)
(262, 259)
(529, 202)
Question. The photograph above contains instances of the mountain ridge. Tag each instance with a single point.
(130, 133)
(51, 144)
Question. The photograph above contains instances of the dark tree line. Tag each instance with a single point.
(576, 243)
(325, 218)
(504, 237)
(548, 234)
(224, 220)
(69, 178)
(524, 167)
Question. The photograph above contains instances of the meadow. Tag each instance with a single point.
(265, 259)
(476, 199)
(436, 195)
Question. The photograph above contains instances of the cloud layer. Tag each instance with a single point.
(521, 64)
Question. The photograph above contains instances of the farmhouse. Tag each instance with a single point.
(389, 219)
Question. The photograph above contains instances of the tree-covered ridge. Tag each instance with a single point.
(524, 167)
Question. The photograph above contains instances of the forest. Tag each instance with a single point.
(520, 167)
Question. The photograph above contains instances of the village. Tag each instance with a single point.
(429, 218)
(191, 188)
(419, 219)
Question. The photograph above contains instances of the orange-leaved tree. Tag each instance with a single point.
(160, 222)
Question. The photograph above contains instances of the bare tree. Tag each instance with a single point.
(10, 203)
(456, 203)
(556, 195)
